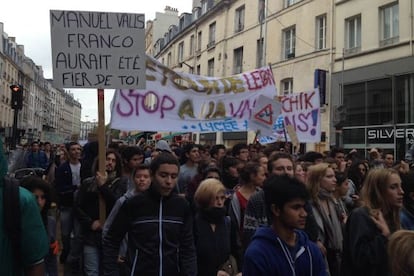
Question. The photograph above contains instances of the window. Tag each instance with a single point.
(286, 86)
(196, 13)
(211, 35)
(199, 40)
(239, 20)
(405, 98)
(379, 102)
(259, 53)
(390, 32)
(353, 34)
(180, 55)
(289, 37)
(354, 103)
(238, 61)
(261, 11)
(289, 3)
(169, 60)
(182, 23)
(321, 32)
(203, 7)
(198, 69)
(192, 45)
(210, 68)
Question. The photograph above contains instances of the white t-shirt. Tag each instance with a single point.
(76, 179)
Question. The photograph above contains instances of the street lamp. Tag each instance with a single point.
(188, 65)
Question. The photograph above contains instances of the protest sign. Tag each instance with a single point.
(175, 101)
(301, 111)
(98, 49)
(265, 114)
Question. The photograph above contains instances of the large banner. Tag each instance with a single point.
(184, 102)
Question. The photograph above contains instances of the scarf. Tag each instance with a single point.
(213, 215)
(331, 221)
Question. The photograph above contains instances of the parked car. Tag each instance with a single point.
(25, 172)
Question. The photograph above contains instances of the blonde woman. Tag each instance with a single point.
(213, 233)
(401, 251)
(322, 184)
(368, 227)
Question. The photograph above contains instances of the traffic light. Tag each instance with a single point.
(17, 96)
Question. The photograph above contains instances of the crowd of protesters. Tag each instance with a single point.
(221, 211)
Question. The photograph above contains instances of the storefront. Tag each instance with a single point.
(208, 138)
(232, 138)
(397, 139)
(377, 108)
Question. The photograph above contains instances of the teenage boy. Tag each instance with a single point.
(255, 214)
(190, 158)
(282, 248)
(159, 226)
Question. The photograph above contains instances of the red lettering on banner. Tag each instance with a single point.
(258, 79)
(301, 101)
(137, 102)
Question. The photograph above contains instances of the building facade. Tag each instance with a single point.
(222, 38)
(366, 49)
(373, 79)
(155, 29)
(48, 113)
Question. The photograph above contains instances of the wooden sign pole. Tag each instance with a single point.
(102, 150)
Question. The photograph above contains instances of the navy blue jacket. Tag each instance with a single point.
(63, 185)
(268, 255)
(37, 160)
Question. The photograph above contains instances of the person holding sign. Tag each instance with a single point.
(110, 187)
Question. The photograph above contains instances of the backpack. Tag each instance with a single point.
(11, 211)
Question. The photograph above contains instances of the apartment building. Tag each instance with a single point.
(222, 38)
(11, 59)
(48, 113)
(156, 28)
(373, 77)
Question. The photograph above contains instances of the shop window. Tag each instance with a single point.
(355, 136)
(404, 90)
(354, 102)
(379, 102)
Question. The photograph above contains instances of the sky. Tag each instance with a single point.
(29, 23)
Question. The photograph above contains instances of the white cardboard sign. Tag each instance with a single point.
(98, 49)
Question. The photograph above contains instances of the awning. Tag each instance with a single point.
(170, 136)
(138, 135)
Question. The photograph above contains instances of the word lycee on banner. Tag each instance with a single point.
(98, 49)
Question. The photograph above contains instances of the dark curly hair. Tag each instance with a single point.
(33, 183)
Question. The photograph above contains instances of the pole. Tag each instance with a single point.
(14, 130)
(101, 151)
